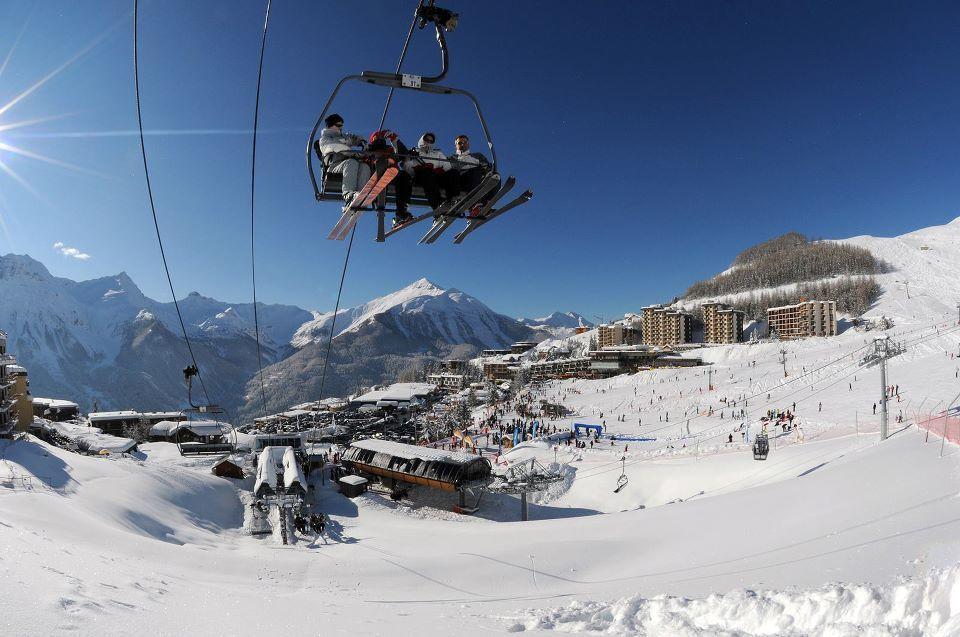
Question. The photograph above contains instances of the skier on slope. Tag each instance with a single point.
(385, 146)
(431, 171)
(473, 167)
(338, 152)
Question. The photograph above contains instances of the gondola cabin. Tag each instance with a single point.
(413, 464)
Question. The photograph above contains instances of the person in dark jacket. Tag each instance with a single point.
(386, 145)
(431, 170)
(473, 167)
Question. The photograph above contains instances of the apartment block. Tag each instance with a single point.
(722, 324)
(560, 368)
(665, 327)
(8, 415)
(617, 334)
(807, 318)
(448, 382)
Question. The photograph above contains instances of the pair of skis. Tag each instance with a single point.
(366, 196)
(444, 219)
(488, 213)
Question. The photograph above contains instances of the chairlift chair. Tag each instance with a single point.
(329, 186)
(204, 412)
(623, 480)
(761, 447)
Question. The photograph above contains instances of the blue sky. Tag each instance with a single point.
(660, 139)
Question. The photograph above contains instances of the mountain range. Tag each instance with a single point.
(104, 344)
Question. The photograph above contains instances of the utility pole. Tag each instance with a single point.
(958, 313)
(906, 284)
(709, 379)
(783, 360)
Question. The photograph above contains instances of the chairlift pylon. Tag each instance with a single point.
(329, 186)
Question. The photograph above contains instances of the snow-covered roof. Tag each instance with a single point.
(55, 403)
(412, 452)
(162, 414)
(16, 369)
(401, 392)
(293, 413)
(199, 427)
(353, 480)
(96, 440)
(112, 415)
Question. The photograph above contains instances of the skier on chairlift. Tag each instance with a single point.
(386, 145)
(473, 167)
(340, 155)
(431, 170)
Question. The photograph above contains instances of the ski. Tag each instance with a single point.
(493, 214)
(475, 219)
(407, 223)
(368, 200)
(490, 182)
(348, 208)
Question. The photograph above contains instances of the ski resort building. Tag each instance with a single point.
(114, 422)
(807, 318)
(561, 368)
(522, 346)
(617, 334)
(500, 370)
(396, 395)
(722, 324)
(665, 327)
(23, 401)
(448, 382)
(55, 409)
(413, 464)
(8, 417)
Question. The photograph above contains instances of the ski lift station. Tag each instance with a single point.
(395, 462)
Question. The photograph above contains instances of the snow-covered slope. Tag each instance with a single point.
(926, 266)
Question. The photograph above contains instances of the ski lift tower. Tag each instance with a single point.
(884, 349)
(522, 478)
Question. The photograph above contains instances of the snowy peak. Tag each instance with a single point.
(558, 319)
(419, 310)
(23, 267)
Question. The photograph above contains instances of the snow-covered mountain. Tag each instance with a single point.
(559, 324)
(103, 340)
(379, 340)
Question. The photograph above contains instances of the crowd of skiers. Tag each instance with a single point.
(442, 178)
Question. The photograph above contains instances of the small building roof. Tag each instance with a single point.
(112, 415)
(352, 480)
(55, 403)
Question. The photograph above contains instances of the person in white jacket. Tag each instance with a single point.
(432, 171)
(339, 156)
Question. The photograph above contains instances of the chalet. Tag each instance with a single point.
(113, 422)
(55, 410)
(227, 468)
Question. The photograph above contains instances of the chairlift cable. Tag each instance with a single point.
(153, 208)
(346, 259)
(253, 182)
